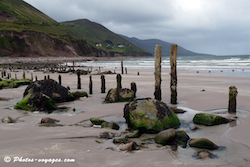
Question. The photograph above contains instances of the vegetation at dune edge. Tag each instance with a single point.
(23, 28)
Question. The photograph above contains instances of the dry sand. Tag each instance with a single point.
(26, 139)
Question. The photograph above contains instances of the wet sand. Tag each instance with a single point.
(26, 139)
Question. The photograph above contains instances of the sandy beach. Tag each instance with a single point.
(81, 146)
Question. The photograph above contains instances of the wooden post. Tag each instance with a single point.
(44, 77)
(157, 92)
(122, 64)
(15, 76)
(48, 77)
(60, 80)
(36, 78)
(119, 81)
(23, 74)
(78, 80)
(73, 65)
(31, 76)
(173, 82)
(103, 87)
(133, 87)
(232, 99)
(90, 85)
(126, 71)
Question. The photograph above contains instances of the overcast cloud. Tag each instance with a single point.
(220, 27)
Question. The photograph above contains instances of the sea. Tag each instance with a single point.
(232, 65)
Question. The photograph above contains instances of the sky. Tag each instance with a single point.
(219, 27)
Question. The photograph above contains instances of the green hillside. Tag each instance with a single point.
(26, 31)
(101, 37)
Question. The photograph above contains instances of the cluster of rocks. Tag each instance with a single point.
(42, 95)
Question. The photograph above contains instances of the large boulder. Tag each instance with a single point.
(50, 88)
(203, 143)
(42, 95)
(209, 119)
(119, 95)
(149, 115)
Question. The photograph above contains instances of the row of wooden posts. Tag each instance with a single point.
(173, 81)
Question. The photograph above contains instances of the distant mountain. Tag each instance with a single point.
(149, 46)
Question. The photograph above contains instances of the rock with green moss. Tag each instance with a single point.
(36, 101)
(203, 143)
(166, 136)
(182, 138)
(150, 115)
(7, 120)
(97, 121)
(78, 94)
(209, 119)
(119, 95)
(14, 83)
(110, 125)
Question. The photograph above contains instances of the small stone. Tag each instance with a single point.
(108, 135)
(128, 147)
(193, 128)
(49, 120)
(7, 120)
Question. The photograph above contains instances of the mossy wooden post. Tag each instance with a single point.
(23, 74)
(173, 82)
(119, 81)
(157, 92)
(232, 99)
(60, 80)
(103, 87)
(133, 87)
(122, 64)
(78, 80)
(90, 85)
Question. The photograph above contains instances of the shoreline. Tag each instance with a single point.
(27, 139)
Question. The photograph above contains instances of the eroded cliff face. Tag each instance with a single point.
(38, 44)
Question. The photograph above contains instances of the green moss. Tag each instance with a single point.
(24, 103)
(209, 119)
(96, 121)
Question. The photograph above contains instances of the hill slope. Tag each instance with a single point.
(26, 31)
(149, 45)
(101, 37)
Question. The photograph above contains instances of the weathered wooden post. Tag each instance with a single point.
(90, 85)
(45, 77)
(73, 65)
(36, 78)
(48, 77)
(60, 80)
(4, 73)
(103, 87)
(126, 71)
(232, 99)
(23, 74)
(173, 82)
(78, 80)
(119, 81)
(15, 76)
(157, 92)
(133, 87)
(138, 73)
(31, 76)
(122, 64)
